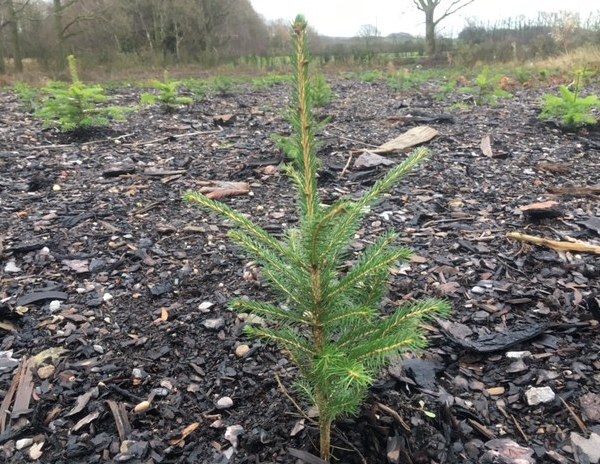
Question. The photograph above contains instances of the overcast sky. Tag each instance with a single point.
(345, 17)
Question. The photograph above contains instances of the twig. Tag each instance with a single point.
(287, 395)
(343, 173)
(575, 417)
(555, 244)
(518, 426)
(394, 415)
(345, 439)
(149, 207)
(178, 136)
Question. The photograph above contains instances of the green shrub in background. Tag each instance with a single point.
(570, 108)
(168, 95)
(327, 317)
(75, 107)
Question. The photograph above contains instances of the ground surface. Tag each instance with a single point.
(139, 284)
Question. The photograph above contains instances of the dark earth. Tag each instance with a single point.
(117, 344)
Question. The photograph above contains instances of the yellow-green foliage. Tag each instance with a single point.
(76, 107)
(168, 95)
(570, 108)
(327, 317)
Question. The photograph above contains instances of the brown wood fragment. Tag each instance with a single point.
(486, 146)
(410, 138)
(482, 429)
(163, 172)
(576, 191)
(556, 168)
(224, 119)
(5, 406)
(555, 244)
(544, 210)
(216, 189)
(24, 388)
(120, 414)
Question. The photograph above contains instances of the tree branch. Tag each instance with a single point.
(455, 6)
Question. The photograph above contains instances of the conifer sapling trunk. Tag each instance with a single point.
(326, 318)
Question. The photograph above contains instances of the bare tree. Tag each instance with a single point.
(369, 34)
(429, 7)
(11, 20)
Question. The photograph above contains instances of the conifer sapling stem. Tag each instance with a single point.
(327, 318)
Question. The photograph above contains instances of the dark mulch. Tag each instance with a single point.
(103, 265)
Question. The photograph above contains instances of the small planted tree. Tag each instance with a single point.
(327, 316)
(75, 107)
(168, 95)
(570, 108)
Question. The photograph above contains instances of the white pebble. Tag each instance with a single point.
(224, 403)
(54, 305)
(539, 395)
(23, 443)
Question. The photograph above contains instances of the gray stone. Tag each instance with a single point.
(587, 451)
(537, 395)
(214, 324)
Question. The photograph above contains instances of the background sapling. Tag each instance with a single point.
(75, 107)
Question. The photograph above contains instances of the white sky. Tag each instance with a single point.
(344, 18)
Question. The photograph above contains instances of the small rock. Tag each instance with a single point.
(232, 433)
(46, 372)
(370, 160)
(205, 306)
(23, 443)
(587, 451)
(35, 452)
(124, 448)
(54, 306)
(478, 290)
(508, 452)
(107, 297)
(142, 407)
(224, 403)
(242, 350)
(518, 354)
(12, 267)
(590, 404)
(214, 324)
(539, 395)
(98, 349)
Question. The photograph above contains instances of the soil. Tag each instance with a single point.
(123, 289)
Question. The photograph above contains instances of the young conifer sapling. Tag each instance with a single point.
(327, 317)
(76, 107)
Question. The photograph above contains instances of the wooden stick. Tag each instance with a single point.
(555, 244)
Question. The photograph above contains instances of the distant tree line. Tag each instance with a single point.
(520, 39)
(109, 32)
(129, 33)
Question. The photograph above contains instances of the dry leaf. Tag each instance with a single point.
(164, 314)
(486, 146)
